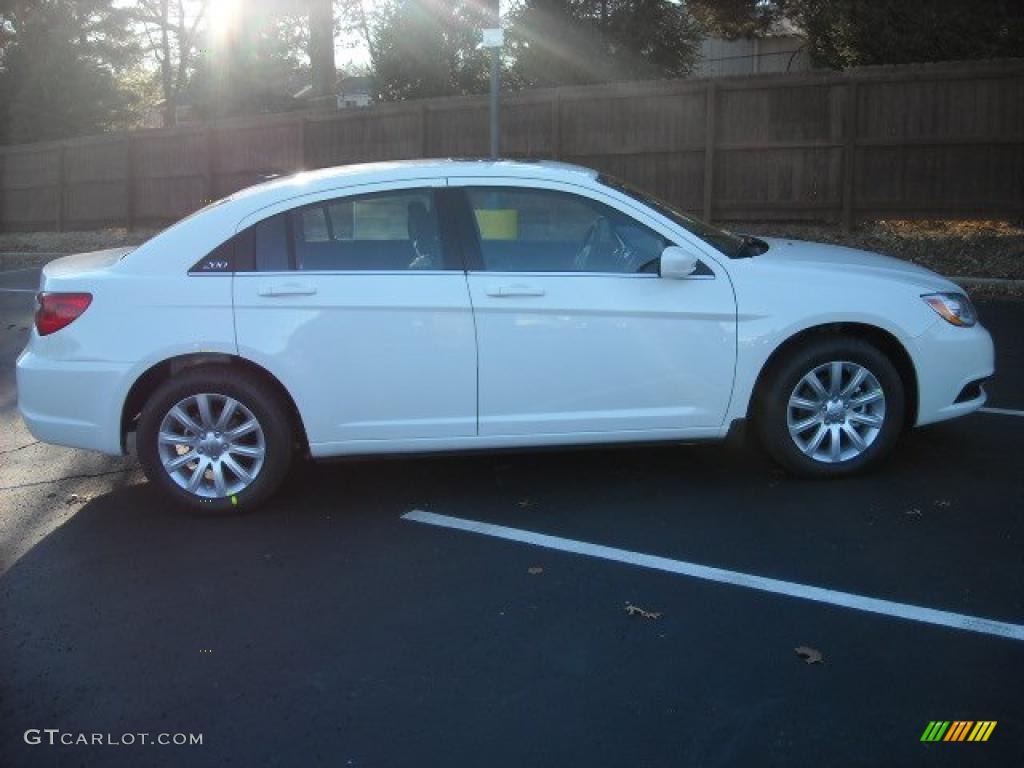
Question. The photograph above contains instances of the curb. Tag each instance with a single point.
(987, 282)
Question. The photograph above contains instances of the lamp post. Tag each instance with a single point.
(494, 38)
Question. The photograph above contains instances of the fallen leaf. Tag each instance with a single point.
(809, 655)
(533, 571)
(634, 610)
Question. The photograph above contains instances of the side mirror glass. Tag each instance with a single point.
(677, 262)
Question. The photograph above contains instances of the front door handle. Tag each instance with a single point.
(502, 291)
(287, 289)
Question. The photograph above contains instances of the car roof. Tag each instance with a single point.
(364, 173)
(208, 227)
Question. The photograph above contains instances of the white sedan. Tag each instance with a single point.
(459, 305)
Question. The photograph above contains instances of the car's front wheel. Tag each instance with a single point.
(215, 439)
(832, 407)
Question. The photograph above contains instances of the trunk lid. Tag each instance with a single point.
(82, 263)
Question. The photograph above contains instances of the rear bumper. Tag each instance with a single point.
(72, 403)
(947, 360)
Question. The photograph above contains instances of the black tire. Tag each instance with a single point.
(252, 393)
(772, 404)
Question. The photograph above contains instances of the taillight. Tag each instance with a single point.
(56, 310)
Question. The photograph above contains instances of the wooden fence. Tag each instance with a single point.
(930, 141)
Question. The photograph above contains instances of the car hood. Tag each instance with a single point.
(841, 260)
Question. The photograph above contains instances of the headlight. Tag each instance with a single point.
(954, 308)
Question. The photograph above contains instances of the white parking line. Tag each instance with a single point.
(736, 578)
(18, 290)
(1002, 411)
(19, 269)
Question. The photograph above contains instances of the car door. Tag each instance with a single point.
(359, 305)
(577, 333)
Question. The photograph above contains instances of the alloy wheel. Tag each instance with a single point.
(836, 411)
(211, 445)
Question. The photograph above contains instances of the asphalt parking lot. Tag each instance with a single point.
(330, 629)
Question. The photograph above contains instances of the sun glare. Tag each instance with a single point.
(222, 16)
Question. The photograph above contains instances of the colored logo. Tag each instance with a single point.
(958, 730)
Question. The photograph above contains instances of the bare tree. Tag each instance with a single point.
(356, 20)
(321, 49)
(170, 30)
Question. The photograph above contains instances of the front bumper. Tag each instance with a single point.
(947, 359)
(72, 403)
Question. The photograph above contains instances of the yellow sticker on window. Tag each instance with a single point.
(498, 224)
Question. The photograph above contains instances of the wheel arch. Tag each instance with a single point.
(153, 377)
(880, 338)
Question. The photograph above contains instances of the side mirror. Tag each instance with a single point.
(677, 262)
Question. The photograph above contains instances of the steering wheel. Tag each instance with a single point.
(599, 247)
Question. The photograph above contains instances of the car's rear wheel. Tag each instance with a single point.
(832, 407)
(215, 439)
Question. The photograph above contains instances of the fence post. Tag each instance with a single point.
(556, 124)
(709, 150)
(3, 184)
(424, 139)
(849, 153)
(62, 179)
(211, 158)
(129, 182)
(304, 144)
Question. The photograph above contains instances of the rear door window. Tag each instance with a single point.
(385, 231)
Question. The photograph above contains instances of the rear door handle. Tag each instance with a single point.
(502, 291)
(287, 289)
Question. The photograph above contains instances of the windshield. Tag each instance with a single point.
(726, 242)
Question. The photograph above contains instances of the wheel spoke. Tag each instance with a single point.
(868, 419)
(197, 474)
(803, 403)
(173, 465)
(169, 438)
(803, 426)
(205, 417)
(855, 382)
(835, 438)
(867, 398)
(855, 438)
(242, 429)
(815, 441)
(218, 478)
(250, 451)
(230, 406)
(235, 467)
(179, 415)
(835, 380)
(815, 383)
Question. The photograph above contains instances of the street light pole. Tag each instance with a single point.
(494, 38)
(495, 101)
